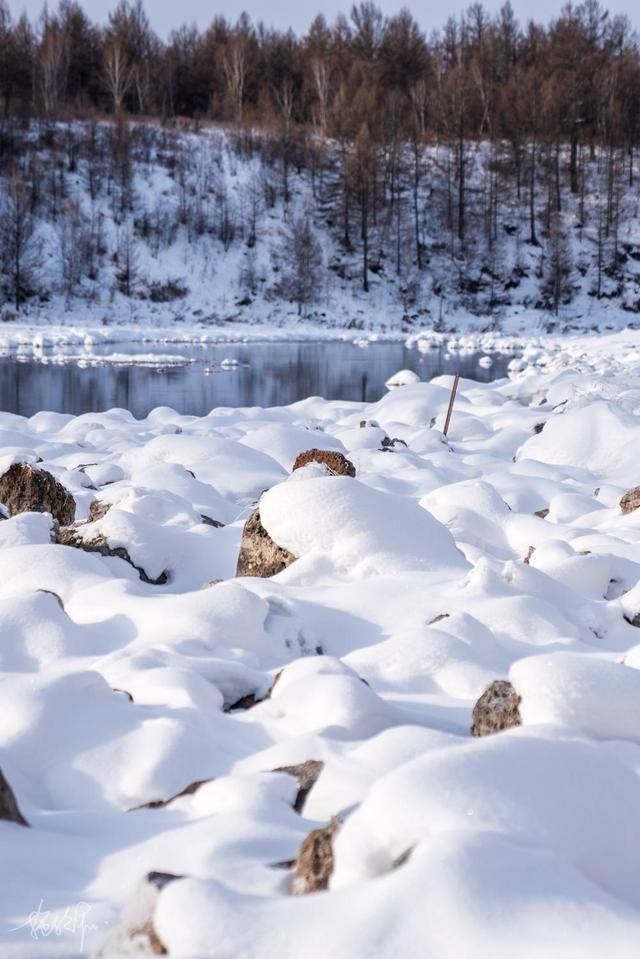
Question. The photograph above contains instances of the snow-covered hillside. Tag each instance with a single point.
(134, 224)
(163, 717)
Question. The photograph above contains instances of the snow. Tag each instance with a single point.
(362, 531)
(205, 220)
(416, 584)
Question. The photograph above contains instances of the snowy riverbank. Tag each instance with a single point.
(596, 351)
(136, 667)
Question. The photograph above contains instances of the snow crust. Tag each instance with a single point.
(416, 584)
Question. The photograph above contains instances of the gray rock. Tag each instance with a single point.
(497, 709)
(259, 554)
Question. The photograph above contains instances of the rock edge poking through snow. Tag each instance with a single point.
(259, 554)
(9, 810)
(334, 461)
(496, 710)
(314, 865)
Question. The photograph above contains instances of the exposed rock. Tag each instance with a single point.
(283, 864)
(72, 536)
(530, 552)
(98, 510)
(388, 445)
(245, 702)
(336, 462)
(402, 858)
(542, 513)
(161, 803)
(123, 692)
(438, 619)
(251, 699)
(307, 774)
(538, 428)
(314, 864)
(497, 709)
(631, 500)
(9, 810)
(259, 554)
(276, 679)
(57, 598)
(25, 489)
(134, 934)
(633, 620)
(210, 522)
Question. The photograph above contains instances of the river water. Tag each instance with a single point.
(191, 379)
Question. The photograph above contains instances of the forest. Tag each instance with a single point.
(454, 165)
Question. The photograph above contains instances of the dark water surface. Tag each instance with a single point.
(270, 374)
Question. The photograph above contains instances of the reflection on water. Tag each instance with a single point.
(270, 374)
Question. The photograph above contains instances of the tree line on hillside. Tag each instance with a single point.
(483, 136)
(575, 80)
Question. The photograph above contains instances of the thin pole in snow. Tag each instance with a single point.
(452, 398)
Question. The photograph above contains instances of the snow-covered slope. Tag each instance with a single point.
(433, 572)
(154, 228)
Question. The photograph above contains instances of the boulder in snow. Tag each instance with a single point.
(631, 500)
(333, 460)
(9, 810)
(259, 554)
(314, 864)
(26, 489)
(497, 709)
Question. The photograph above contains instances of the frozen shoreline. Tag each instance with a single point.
(541, 349)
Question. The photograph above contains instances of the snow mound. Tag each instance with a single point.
(600, 436)
(402, 378)
(364, 531)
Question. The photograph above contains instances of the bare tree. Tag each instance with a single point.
(76, 248)
(17, 241)
(117, 72)
(559, 264)
(52, 60)
(322, 84)
(300, 262)
(234, 69)
(127, 269)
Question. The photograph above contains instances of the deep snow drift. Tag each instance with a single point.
(498, 552)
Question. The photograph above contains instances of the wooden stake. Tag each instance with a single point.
(452, 398)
